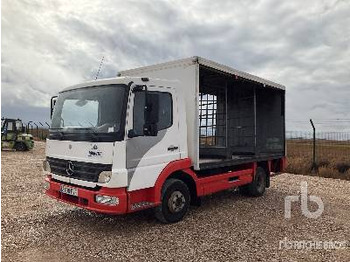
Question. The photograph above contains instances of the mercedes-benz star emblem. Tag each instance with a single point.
(70, 168)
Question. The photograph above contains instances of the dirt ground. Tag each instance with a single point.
(227, 227)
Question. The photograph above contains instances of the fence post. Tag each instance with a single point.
(29, 124)
(30, 128)
(42, 131)
(48, 129)
(314, 166)
(37, 130)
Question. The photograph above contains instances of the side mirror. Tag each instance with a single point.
(150, 128)
(131, 133)
(53, 102)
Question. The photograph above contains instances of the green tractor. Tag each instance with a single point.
(13, 135)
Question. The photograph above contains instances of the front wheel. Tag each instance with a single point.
(20, 146)
(175, 201)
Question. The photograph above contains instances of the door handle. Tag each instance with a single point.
(172, 148)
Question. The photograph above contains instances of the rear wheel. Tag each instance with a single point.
(175, 201)
(20, 146)
(258, 186)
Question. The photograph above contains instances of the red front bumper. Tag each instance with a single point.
(86, 198)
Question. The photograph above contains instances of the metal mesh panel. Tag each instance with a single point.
(239, 118)
(212, 117)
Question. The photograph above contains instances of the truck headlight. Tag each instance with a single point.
(105, 176)
(107, 200)
(46, 166)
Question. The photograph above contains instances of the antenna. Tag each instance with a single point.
(99, 68)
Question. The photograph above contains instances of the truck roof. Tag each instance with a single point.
(203, 62)
(115, 80)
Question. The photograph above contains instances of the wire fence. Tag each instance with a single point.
(325, 149)
(328, 154)
(39, 130)
(328, 144)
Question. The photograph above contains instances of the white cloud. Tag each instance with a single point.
(305, 45)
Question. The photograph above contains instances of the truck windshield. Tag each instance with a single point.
(92, 109)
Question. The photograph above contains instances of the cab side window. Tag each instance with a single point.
(139, 113)
(10, 126)
(165, 111)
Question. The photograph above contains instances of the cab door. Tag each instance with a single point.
(151, 144)
(9, 131)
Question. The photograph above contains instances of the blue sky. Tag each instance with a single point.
(305, 45)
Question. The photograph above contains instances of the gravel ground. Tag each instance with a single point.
(226, 227)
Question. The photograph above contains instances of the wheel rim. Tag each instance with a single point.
(176, 202)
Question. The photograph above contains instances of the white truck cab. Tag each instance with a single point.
(126, 145)
(133, 142)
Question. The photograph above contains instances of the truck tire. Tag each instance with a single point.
(258, 186)
(175, 201)
(20, 146)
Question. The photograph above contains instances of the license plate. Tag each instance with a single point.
(69, 190)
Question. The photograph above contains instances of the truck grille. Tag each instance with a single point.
(81, 170)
